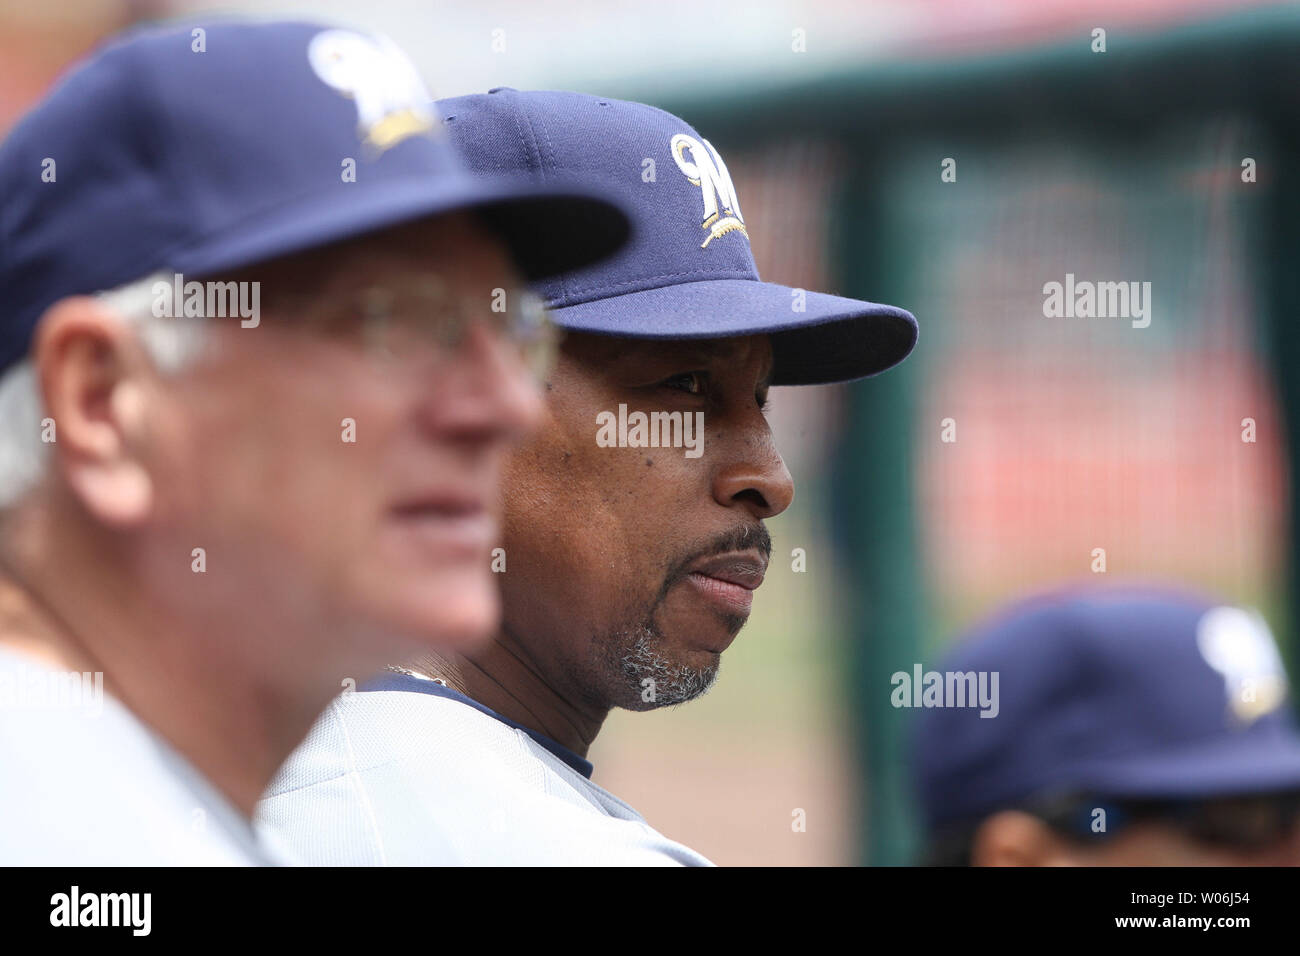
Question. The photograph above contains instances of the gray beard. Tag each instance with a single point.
(653, 680)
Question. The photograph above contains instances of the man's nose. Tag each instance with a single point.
(757, 479)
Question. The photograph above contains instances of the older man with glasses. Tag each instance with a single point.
(209, 526)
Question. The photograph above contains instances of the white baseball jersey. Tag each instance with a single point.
(84, 783)
(407, 772)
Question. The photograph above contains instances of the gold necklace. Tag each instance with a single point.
(415, 674)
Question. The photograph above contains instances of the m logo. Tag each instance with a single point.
(1239, 645)
(703, 167)
(392, 103)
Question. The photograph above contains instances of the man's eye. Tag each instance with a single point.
(690, 382)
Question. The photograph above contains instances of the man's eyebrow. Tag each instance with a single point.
(685, 350)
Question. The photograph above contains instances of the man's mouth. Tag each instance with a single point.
(448, 522)
(729, 580)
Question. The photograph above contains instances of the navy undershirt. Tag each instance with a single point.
(404, 682)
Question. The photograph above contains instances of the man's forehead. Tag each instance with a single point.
(732, 348)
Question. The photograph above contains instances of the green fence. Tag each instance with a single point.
(1070, 434)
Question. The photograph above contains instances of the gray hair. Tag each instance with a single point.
(169, 342)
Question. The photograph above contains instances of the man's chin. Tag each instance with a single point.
(459, 619)
(658, 676)
(673, 692)
(693, 627)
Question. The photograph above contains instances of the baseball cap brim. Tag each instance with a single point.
(1253, 763)
(832, 339)
(549, 229)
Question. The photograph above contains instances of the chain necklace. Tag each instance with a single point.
(416, 674)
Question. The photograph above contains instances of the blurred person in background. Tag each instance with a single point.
(629, 567)
(1133, 727)
(209, 525)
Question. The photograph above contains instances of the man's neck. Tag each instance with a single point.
(188, 705)
(502, 677)
(71, 609)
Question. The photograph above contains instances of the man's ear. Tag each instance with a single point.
(1016, 838)
(92, 374)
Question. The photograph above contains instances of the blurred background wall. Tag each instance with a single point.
(1011, 445)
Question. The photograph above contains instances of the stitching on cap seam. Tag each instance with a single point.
(523, 139)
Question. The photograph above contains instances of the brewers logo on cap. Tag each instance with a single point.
(392, 103)
(1239, 645)
(706, 169)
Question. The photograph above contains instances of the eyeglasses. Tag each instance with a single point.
(400, 319)
(1244, 822)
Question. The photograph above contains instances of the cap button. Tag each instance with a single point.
(503, 89)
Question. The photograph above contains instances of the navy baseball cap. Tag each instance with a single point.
(197, 148)
(1125, 693)
(688, 271)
